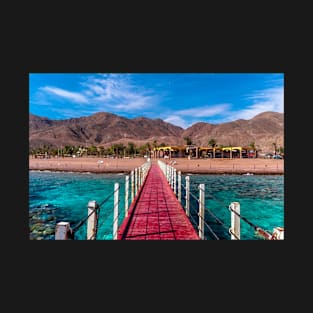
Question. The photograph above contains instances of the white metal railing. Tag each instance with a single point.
(234, 230)
(63, 231)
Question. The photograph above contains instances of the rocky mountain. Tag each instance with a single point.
(100, 129)
(104, 129)
(264, 129)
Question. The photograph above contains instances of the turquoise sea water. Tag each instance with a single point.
(64, 196)
(261, 199)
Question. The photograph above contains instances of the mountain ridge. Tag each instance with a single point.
(105, 129)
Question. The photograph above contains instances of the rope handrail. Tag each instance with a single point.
(192, 195)
(211, 230)
(193, 218)
(232, 233)
(216, 218)
(81, 222)
(208, 226)
(210, 212)
(107, 198)
(84, 220)
(114, 220)
(256, 228)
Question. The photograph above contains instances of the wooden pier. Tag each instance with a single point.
(156, 214)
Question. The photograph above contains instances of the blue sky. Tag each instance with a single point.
(178, 98)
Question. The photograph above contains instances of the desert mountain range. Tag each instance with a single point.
(105, 129)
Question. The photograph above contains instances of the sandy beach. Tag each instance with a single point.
(194, 166)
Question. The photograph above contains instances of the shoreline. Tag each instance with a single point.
(193, 166)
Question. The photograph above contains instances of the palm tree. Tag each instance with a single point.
(131, 149)
(253, 147)
(148, 151)
(212, 143)
(188, 141)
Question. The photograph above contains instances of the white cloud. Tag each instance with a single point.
(271, 99)
(110, 92)
(73, 96)
(176, 120)
(205, 111)
(116, 92)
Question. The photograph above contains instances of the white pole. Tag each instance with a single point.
(201, 210)
(115, 215)
(170, 175)
(62, 230)
(187, 195)
(136, 178)
(141, 176)
(174, 183)
(126, 194)
(132, 185)
(92, 220)
(179, 186)
(235, 220)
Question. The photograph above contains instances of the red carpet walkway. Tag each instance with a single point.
(156, 214)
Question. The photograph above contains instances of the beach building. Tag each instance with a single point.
(193, 151)
(169, 152)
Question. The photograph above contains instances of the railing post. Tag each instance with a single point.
(278, 233)
(92, 220)
(201, 210)
(136, 179)
(62, 231)
(126, 194)
(187, 195)
(179, 186)
(174, 183)
(170, 175)
(141, 176)
(115, 215)
(132, 185)
(235, 220)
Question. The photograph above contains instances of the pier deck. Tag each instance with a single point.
(156, 214)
